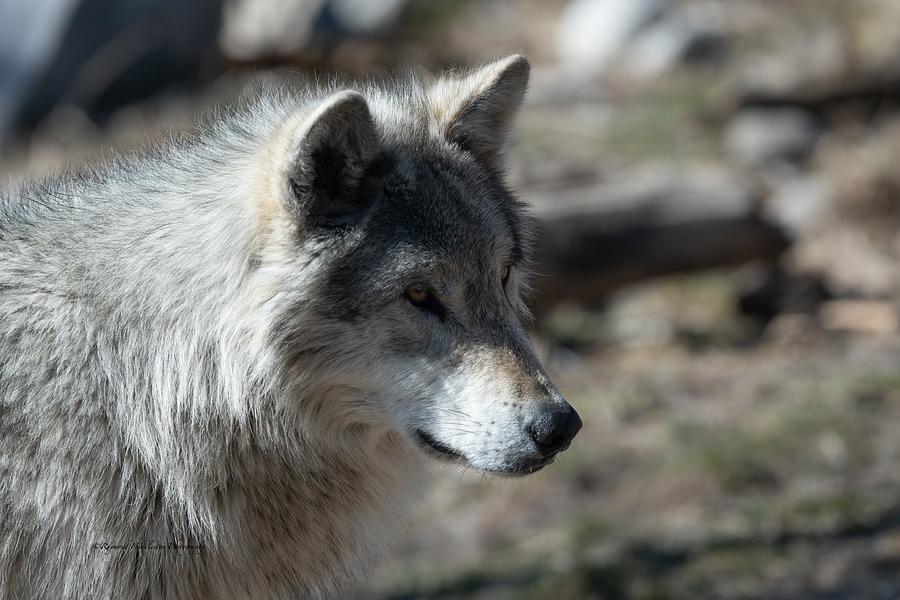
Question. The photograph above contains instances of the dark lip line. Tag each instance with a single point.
(440, 450)
(432, 445)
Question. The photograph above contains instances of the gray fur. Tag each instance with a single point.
(209, 343)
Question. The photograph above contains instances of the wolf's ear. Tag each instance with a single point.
(476, 111)
(331, 151)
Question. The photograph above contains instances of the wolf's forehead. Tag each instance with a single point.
(453, 211)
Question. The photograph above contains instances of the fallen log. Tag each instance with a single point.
(870, 93)
(595, 239)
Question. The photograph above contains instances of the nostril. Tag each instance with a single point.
(557, 441)
(554, 430)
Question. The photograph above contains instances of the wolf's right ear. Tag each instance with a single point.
(331, 150)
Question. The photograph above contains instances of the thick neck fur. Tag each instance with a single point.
(143, 321)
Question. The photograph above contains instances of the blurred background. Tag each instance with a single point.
(718, 190)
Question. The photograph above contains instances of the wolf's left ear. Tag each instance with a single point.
(331, 151)
(476, 111)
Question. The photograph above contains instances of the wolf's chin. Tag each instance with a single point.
(521, 470)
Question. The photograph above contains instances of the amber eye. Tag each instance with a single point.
(504, 274)
(424, 299)
(417, 295)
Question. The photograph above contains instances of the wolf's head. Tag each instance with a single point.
(410, 258)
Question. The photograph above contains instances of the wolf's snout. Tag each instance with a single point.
(553, 430)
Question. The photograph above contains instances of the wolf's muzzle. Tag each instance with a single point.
(553, 430)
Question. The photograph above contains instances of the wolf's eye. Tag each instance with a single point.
(422, 298)
(504, 274)
(417, 295)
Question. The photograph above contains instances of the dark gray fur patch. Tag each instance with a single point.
(444, 223)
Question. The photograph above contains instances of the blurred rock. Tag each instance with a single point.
(800, 203)
(592, 33)
(100, 55)
(366, 16)
(253, 29)
(643, 37)
(861, 316)
(851, 261)
(759, 137)
(265, 29)
(28, 35)
(97, 55)
(692, 33)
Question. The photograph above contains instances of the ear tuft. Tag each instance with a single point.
(332, 150)
(476, 111)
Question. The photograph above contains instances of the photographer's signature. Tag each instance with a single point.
(138, 547)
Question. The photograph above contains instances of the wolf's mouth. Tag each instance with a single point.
(436, 448)
(521, 468)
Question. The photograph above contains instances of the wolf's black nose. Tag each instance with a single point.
(554, 429)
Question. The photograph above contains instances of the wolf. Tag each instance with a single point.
(226, 360)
